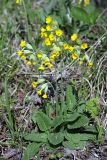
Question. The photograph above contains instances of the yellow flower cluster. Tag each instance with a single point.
(24, 54)
(50, 32)
(54, 55)
(45, 62)
(68, 47)
(77, 49)
(53, 48)
(43, 91)
(53, 38)
(53, 41)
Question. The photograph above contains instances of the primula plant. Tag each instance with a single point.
(69, 126)
(54, 50)
(53, 92)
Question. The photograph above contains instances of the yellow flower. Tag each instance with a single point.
(23, 57)
(55, 53)
(50, 66)
(42, 68)
(48, 28)
(34, 84)
(90, 64)
(46, 62)
(52, 57)
(81, 62)
(74, 37)
(86, 2)
(51, 37)
(47, 42)
(34, 63)
(18, 1)
(39, 92)
(43, 29)
(19, 53)
(48, 19)
(22, 43)
(71, 48)
(66, 46)
(29, 62)
(84, 46)
(39, 55)
(44, 35)
(74, 56)
(59, 32)
(45, 96)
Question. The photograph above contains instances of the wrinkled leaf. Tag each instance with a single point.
(43, 121)
(77, 137)
(70, 99)
(64, 119)
(30, 151)
(56, 138)
(80, 122)
(36, 137)
(57, 121)
(73, 146)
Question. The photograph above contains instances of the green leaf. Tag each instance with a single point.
(77, 137)
(27, 51)
(58, 19)
(29, 46)
(41, 14)
(50, 6)
(80, 14)
(70, 99)
(62, 9)
(93, 17)
(57, 121)
(93, 13)
(32, 56)
(36, 137)
(71, 117)
(30, 151)
(31, 14)
(92, 106)
(80, 122)
(64, 119)
(43, 121)
(91, 129)
(41, 80)
(81, 108)
(73, 146)
(56, 138)
(63, 107)
(77, 140)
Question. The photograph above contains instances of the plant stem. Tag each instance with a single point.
(25, 11)
(9, 116)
